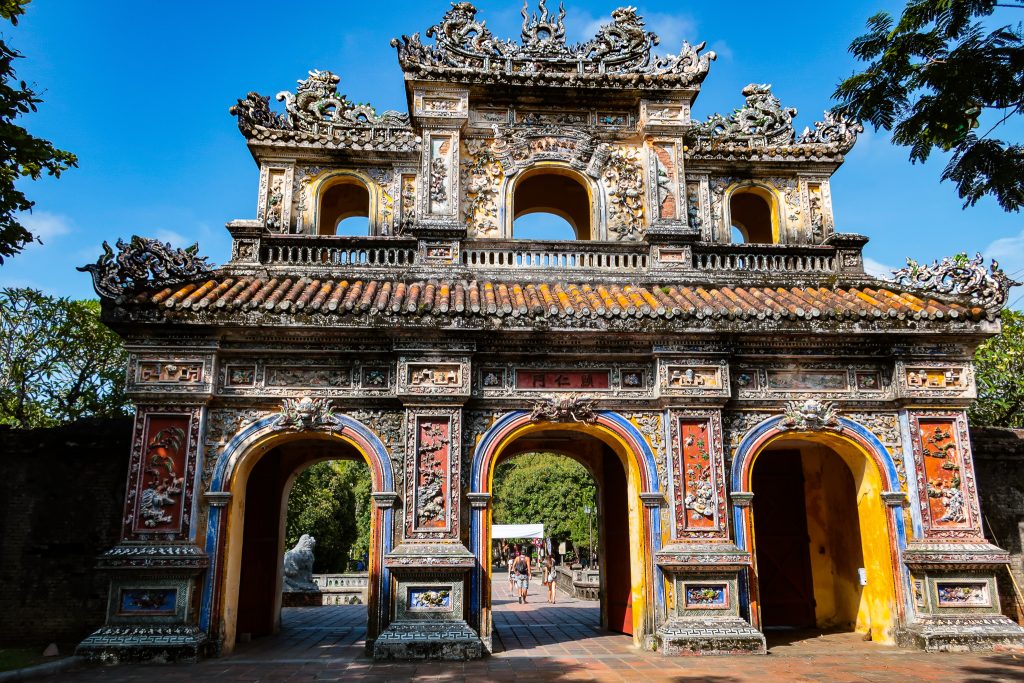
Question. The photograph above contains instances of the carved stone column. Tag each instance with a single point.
(154, 569)
(431, 567)
(703, 566)
(953, 568)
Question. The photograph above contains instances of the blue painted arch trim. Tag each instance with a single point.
(229, 457)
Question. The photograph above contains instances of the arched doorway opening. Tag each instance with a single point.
(272, 526)
(577, 488)
(621, 471)
(558, 192)
(268, 456)
(821, 538)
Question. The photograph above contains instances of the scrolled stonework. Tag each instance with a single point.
(811, 415)
(568, 408)
(306, 414)
(620, 53)
(143, 262)
(960, 275)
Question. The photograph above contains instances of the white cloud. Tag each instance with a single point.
(175, 238)
(46, 225)
(1009, 252)
(722, 50)
(877, 268)
(673, 29)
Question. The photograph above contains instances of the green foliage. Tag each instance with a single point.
(548, 489)
(21, 154)
(58, 361)
(331, 502)
(930, 77)
(999, 372)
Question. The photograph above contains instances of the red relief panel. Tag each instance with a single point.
(562, 379)
(698, 508)
(433, 448)
(162, 469)
(942, 464)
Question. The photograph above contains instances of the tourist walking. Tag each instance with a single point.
(512, 587)
(549, 577)
(522, 572)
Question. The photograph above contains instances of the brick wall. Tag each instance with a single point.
(61, 498)
(999, 465)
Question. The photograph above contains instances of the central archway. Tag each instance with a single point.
(632, 456)
(557, 190)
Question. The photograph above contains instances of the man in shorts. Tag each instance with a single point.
(521, 570)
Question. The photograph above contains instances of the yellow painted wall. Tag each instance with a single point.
(835, 547)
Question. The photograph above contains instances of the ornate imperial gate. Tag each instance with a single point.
(708, 315)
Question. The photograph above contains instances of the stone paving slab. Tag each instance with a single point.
(562, 642)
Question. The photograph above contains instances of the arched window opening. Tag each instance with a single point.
(554, 192)
(340, 201)
(751, 214)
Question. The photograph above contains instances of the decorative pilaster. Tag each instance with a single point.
(154, 570)
(431, 566)
(702, 565)
(953, 568)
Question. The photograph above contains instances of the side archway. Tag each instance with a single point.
(644, 489)
(879, 501)
(226, 496)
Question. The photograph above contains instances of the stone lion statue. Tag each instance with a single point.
(298, 567)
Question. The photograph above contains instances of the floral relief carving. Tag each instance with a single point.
(623, 178)
(482, 174)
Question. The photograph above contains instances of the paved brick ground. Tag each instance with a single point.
(541, 642)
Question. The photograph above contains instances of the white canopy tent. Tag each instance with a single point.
(517, 531)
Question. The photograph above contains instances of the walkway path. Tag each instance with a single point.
(541, 642)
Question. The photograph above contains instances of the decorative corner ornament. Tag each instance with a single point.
(143, 262)
(960, 275)
(811, 415)
(307, 414)
(568, 408)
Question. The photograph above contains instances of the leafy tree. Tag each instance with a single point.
(999, 372)
(930, 78)
(58, 361)
(22, 155)
(548, 489)
(331, 502)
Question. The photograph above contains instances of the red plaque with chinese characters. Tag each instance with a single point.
(942, 460)
(565, 380)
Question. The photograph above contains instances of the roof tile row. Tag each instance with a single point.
(485, 298)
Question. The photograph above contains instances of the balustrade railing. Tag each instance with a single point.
(765, 259)
(556, 256)
(338, 251)
(510, 255)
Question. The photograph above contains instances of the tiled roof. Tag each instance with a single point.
(564, 300)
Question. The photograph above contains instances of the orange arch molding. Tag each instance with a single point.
(629, 444)
(237, 458)
(857, 441)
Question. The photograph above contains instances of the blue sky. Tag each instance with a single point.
(140, 91)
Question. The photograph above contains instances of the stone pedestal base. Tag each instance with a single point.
(963, 634)
(710, 637)
(302, 599)
(154, 644)
(451, 641)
